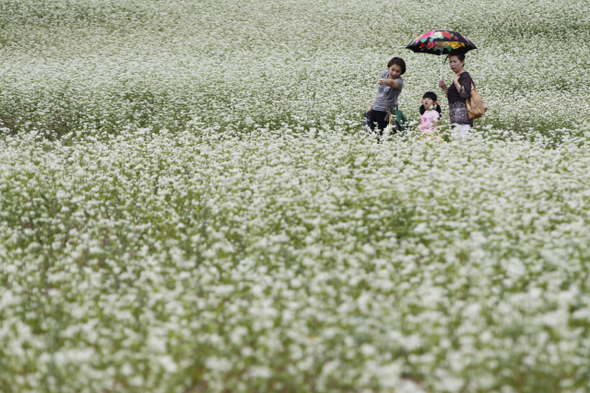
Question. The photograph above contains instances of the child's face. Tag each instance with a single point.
(427, 102)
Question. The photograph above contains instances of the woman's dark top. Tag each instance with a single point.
(457, 105)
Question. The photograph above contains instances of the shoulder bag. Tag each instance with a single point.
(475, 105)
(396, 118)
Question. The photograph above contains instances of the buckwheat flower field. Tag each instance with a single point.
(188, 204)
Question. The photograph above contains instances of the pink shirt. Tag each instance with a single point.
(427, 120)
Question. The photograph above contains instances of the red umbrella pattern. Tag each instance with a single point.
(440, 42)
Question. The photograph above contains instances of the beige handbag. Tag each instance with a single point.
(475, 105)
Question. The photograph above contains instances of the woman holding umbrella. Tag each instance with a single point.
(441, 42)
(458, 93)
(389, 89)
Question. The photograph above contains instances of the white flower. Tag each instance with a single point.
(218, 364)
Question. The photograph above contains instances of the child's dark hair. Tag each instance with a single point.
(399, 62)
(432, 96)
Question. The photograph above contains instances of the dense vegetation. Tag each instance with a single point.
(187, 204)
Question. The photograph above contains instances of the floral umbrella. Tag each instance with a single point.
(440, 42)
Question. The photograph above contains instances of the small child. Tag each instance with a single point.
(429, 113)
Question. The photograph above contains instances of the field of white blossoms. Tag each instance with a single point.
(187, 204)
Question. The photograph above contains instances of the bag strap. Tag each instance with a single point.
(387, 101)
(396, 107)
(473, 83)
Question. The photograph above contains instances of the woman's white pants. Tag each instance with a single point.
(461, 130)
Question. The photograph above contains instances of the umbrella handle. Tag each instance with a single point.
(441, 64)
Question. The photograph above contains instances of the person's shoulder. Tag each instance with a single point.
(465, 75)
(384, 74)
(400, 81)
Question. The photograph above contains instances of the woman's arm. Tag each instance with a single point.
(456, 82)
(389, 82)
(371, 107)
(443, 86)
(463, 85)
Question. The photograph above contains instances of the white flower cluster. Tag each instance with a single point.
(81, 64)
(186, 204)
(285, 260)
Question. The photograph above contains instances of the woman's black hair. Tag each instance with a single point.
(399, 62)
(459, 53)
(433, 97)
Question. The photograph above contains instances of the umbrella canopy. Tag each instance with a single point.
(440, 42)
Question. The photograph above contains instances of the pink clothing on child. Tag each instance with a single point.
(427, 120)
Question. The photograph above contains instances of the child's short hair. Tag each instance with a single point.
(433, 97)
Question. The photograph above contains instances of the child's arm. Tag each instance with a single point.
(436, 121)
